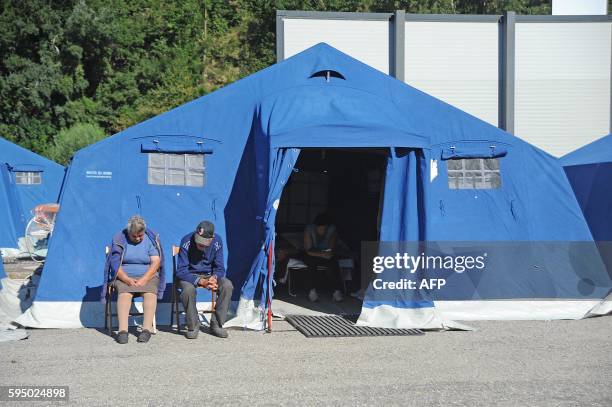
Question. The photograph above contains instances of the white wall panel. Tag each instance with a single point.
(367, 41)
(562, 84)
(457, 62)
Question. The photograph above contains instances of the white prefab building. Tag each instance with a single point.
(546, 79)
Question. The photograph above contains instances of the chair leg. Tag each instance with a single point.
(343, 280)
(107, 311)
(177, 314)
(110, 318)
(172, 307)
(289, 282)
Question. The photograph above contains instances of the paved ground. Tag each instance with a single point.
(561, 363)
(20, 269)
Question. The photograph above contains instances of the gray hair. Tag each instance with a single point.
(136, 224)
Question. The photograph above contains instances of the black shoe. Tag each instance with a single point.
(122, 337)
(192, 334)
(216, 330)
(144, 336)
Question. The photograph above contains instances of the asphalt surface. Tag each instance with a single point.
(559, 363)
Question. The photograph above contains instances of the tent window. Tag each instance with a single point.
(176, 169)
(473, 173)
(28, 178)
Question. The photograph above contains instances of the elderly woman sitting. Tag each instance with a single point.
(135, 267)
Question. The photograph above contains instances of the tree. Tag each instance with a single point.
(70, 140)
(115, 63)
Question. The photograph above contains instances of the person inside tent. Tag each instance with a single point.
(200, 264)
(135, 260)
(319, 255)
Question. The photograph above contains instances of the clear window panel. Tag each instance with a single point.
(474, 178)
(195, 161)
(199, 171)
(453, 165)
(473, 164)
(176, 169)
(157, 160)
(156, 176)
(175, 177)
(492, 180)
(28, 177)
(176, 161)
(478, 173)
(454, 179)
(465, 183)
(491, 164)
(195, 180)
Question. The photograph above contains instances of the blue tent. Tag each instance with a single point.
(235, 149)
(589, 170)
(26, 180)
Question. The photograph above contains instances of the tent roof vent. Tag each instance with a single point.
(327, 74)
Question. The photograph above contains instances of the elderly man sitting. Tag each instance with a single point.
(200, 264)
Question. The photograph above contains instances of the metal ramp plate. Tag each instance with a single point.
(336, 326)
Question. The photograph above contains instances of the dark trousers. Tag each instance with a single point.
(224, 298)
(328, 278)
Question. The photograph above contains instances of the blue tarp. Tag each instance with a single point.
(18, 200)
(253, 131)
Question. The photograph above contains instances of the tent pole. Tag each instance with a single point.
(270, 253)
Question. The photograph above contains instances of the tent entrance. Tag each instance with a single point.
(346, 184)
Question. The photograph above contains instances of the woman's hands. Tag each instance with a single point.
(153, 267)
(142, 281)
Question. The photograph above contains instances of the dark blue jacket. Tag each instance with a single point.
(114, 259)
(191, 261)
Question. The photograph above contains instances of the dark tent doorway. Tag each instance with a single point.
(346, 184)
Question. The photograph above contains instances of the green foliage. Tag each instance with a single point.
(69, 140)
(114, 63)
